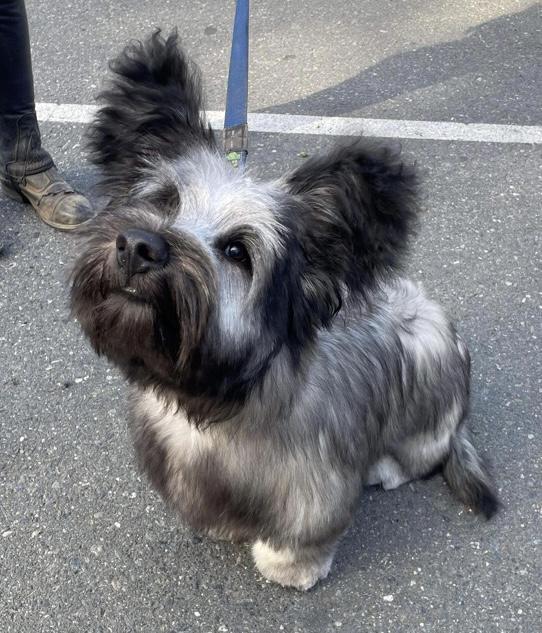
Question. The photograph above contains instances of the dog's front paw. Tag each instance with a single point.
(288, 567)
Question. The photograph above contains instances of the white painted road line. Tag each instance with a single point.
(336, 126)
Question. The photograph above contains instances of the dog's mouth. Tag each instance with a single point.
(118, 281)
(143, 294)
(130, 292)
(133, 294)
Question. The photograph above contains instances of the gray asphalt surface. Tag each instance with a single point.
(85, 545)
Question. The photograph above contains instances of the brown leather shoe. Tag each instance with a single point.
(56, 203)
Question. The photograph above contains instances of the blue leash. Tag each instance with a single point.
(235, 120)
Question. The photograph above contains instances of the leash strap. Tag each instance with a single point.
(235, 120)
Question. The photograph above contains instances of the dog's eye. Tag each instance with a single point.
(237, 252)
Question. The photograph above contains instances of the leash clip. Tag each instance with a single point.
(236, 144)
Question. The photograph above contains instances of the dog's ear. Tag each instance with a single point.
(357, 210)
(151, 109)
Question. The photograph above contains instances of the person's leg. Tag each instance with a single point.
(20, 143)
(27, 171)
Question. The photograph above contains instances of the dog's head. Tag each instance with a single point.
(195, 276)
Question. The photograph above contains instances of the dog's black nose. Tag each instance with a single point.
(139, 251)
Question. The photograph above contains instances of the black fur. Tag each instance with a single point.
(152, 110)
(358, 209)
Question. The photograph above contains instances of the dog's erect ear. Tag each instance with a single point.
(151, 108)
(358, 209)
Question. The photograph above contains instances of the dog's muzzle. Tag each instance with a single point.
(140, 251)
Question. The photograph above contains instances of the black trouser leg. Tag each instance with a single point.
(21, 153)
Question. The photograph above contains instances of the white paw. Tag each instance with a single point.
(291, 568)
(387, 472)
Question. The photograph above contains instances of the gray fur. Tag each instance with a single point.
(304, 443)
(266, 394)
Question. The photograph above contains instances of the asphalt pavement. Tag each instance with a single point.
(85, 544)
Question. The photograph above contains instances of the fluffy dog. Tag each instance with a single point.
(278, 361)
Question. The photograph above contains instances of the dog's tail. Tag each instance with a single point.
(151, 108)
(468, 476)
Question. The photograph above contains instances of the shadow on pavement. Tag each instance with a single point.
(496, 69)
